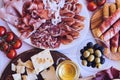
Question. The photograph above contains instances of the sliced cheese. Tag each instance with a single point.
(42, 61)
(16, 77)
(20, 69)
(49, 74)
(13, 67)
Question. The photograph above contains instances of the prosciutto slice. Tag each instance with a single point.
(14, 20)
(108, 74)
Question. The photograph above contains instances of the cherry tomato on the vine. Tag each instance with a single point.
(92, 6)
(4, 46)
(11, 53)
(9, 36)
(2, 31)
(17, 44)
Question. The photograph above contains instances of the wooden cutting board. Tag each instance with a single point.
(26, 56)
(95, 21)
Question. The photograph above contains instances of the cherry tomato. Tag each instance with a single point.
(90, 0)
(5, 46)
(2, 31)
(17, 44)
(9, 36)
(101, 2)
(11, 54)
(92, 6)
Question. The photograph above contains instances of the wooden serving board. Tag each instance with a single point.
(95, 21)
(26, 56)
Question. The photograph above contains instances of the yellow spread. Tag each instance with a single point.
(67, 72)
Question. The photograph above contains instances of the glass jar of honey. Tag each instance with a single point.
(67, 70)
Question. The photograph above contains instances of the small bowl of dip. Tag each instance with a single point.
(67, 70)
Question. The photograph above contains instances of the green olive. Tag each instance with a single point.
(91, 58)
(91, 50)
(98, 53)
(86, 54)
(84, 62)
(97, 60)
(98, 65)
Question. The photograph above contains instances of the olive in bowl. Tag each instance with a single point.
(92, 55)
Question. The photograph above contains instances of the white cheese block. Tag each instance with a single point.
(20, 69)
(17, 76)
(42, 61)
(49, 74)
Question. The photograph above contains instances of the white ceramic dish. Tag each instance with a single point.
(104, 66)
(90, 69)
(83, 32)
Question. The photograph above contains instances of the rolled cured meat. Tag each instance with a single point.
(108, 23)
(111, 32)
(114, 43)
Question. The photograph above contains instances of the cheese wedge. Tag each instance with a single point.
(20, 69)
(16, 77)
(42, 61)
(49, 74)
(32, 77)
(28, 64)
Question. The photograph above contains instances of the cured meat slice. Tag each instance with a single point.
(108, 74)
(17, 4)
(108, 23)
(14, 20)
(111, 32)
(114, 43)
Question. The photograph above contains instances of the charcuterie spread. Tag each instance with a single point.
(59, 39)
(47, 23)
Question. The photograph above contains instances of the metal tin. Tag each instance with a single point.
(67, 70)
